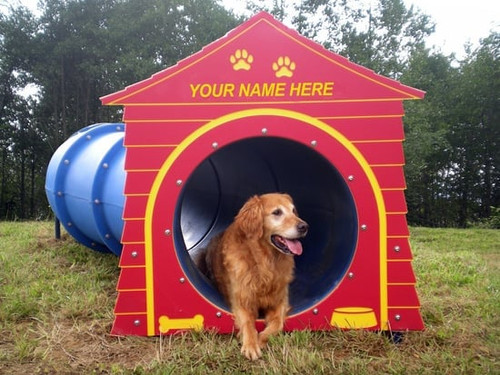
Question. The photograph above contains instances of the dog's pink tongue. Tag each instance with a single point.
(295, 246)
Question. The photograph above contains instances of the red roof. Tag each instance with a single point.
(262, 60)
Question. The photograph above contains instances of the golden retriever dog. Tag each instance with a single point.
(252, 264)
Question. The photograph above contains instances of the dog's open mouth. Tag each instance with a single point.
(287, 245)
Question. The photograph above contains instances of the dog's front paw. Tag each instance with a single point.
(263, 339)
(251, 351)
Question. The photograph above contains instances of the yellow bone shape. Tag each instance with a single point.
(166, 324)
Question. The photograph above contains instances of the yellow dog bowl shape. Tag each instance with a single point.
(353, 317)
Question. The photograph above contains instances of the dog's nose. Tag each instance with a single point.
(302, 227)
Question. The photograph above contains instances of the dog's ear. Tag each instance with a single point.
(250, 219)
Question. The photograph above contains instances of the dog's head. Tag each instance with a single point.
(273, 218)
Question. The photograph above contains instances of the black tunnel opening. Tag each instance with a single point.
(221, 184)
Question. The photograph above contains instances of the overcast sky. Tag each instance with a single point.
(457, 21)
(460, 22)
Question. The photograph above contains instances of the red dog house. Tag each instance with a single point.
(264, 109)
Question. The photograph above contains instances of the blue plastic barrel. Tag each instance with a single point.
(84, 186)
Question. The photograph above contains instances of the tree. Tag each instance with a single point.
(381, 38)
(80, 50)
(452, 137)
(76, 52)
(475, 133)
(427, 123)
(17, 29)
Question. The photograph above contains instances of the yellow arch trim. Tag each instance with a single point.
(148, 232)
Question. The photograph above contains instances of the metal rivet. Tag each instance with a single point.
(97, 201)
(118, 128)
(59, 193)
(70, 223)
(264, 130)
(179, 182)
(66, 161)
(93, 244)
(350, 177)
(314, 143)
(397, 249)
(218, 314)
(168, 232)
(182, 280)
(215, 145)
(134, 254)
(89, 137)
(315, 311)
(364, 227)
(137, 322)
(397, 317)
(105, 165)
(350, 275)
(107, 236)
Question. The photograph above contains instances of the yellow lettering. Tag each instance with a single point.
(265, 89)
(280, 89)
(217, 90)
(317, 89)
(244, 90)
(268, 89)
(328, 89)
(306, 89)
(255, 90)
(214, 90)
(205, 90)
(295, 89)
(194, 89)
(229, 90)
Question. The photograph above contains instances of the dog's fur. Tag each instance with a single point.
(252, 263)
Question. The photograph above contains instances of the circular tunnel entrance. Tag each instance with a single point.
(221, 184)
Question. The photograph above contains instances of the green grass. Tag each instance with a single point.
(57, 300)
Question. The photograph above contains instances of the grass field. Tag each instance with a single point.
(57, 300)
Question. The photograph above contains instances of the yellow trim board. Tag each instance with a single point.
(174, 155)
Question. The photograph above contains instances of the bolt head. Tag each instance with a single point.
(134, 254)
(137, 322)
(264, 130)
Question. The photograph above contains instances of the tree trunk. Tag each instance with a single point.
(32, 190)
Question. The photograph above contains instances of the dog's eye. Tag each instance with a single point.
(277, 212)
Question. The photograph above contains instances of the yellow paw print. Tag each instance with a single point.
(241, 59)
(283, 67)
